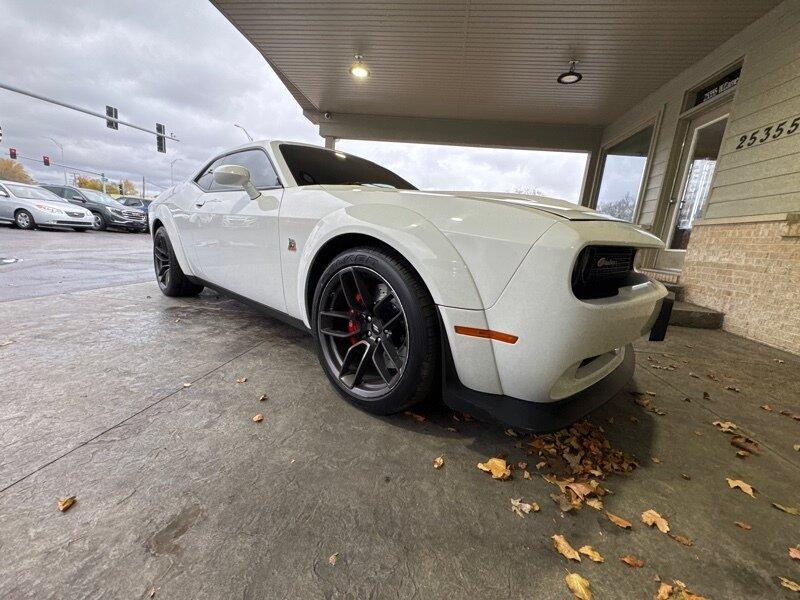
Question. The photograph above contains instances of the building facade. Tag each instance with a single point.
(718, 178)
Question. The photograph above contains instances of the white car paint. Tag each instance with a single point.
(47, 209)
(490, 260)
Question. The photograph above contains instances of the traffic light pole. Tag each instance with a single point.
(93, 113)
(55, 164)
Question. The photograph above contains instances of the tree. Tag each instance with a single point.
(90, 184)
(11, 170)
(621, 209)
(528, 191)
(128, 188)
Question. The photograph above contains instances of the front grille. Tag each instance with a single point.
(136, 216)
(82, 223)
(77, 215)
(601, 270)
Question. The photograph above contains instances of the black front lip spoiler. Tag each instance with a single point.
(537, 417)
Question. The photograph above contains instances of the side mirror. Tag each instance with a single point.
(236, 176)
(78, 198)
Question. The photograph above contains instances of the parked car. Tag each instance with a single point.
(134, 201)
(524, 307)
(107, 212)
(29, 206)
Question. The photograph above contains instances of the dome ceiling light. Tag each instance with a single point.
(571, 76)
(359, 70)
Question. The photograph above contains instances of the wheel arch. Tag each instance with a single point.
(399, 232)
(162, 217)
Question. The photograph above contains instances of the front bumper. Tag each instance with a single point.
(47, 219)
(123, 223)
(571, 355)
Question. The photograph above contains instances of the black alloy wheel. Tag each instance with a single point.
(375, 331)
(169, 275)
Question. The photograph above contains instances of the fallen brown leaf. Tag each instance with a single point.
(686, 477)
(540, 465)
(521, 508)
(438, 462)
(258, 418)
(497, 467)
(682, 539)
(241, 380)
(732, 388)
(726, 426)
(578, 586)
(743, 525)
(794, 553)
(619, 521)
(789, 584)
(656, 460)
(745, 487)
(151, 591)
(745, 443)
(792, 510)
(66, 503)
(664, 591)
(415, 416)
(595, 503)
(563, 502)
(263, 398)
(796, 447)
(632, 561)
(651, 517)
(187, 384)
(593, 554)
(563, 547)
(766, 407)
(511, 433)
(333, 558)
(526, 475)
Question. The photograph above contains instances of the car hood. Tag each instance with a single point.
(551, 206)
(456, 201)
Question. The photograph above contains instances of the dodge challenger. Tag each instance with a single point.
(519, 309)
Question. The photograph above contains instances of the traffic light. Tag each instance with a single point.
(12, 152)
(46, 160)
(161, 141)
(119, 187)
(113, 114)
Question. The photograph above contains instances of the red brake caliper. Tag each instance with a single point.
(352, 325)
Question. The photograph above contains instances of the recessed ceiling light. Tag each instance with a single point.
(359, 69)
(571, 76)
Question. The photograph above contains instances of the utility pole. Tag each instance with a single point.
(60, 147)
(144, 193)
(171, 175)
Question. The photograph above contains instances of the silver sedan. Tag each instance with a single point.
(29, 206)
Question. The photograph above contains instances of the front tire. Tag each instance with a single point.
(99, 222)
(375, 331)
(169, 275)
(24, 220)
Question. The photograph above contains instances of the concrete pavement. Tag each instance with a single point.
(179, 490)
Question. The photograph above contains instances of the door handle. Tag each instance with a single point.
(204, 202)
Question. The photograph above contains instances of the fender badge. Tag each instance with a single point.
(292, 245)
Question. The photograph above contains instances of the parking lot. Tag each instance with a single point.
(141, 407)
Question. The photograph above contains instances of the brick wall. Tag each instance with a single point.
(751, 272)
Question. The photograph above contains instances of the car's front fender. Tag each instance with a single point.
(427, 249)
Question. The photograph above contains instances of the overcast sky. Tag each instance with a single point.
(183, 64)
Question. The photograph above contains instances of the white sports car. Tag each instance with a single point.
(522, 308)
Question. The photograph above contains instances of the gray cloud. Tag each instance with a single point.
(183, 64)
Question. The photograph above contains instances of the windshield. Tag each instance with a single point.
(312, 166)
(33, 193)
(96, 196)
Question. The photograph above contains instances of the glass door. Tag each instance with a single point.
(705, 134)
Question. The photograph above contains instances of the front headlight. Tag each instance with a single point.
(49, 209)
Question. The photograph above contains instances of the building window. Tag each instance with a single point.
(623, 175)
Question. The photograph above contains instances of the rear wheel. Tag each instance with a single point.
(24, 220)
(169, 274)
(375, 331)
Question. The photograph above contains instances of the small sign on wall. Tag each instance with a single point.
(715, 88)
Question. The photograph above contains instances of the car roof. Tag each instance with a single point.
(33, 185)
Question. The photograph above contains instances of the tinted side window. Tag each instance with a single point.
(261, 172)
